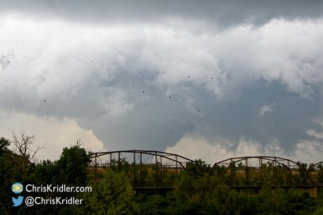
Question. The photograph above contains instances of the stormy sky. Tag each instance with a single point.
(206, 79)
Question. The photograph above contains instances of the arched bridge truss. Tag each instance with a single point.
(255, 171)
(146, 169)
(155, 169)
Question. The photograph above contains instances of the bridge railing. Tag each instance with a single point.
(156, 169)
(144, 168)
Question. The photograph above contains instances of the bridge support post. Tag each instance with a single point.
(260, 171)
(95, 167)
(176, 165)
(161, 171)
(231, 172)
(246, 171)
(134, 169)
(156, 161)
(119, 163)
(288, 177)
(140, 180)
(110, 160)
(275, 172)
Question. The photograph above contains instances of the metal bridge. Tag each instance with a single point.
(157, 170)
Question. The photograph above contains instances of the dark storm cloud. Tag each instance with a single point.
(154, 121)
(286, 124)
(157, 121)
(222, 13)
(266, 83)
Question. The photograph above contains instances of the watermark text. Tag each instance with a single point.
(49, 188)
(31, 201)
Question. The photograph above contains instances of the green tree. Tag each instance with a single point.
(71, 170)
(318, 211)
(279, 201)
(112, 195)
(153, 204)
(5, 176)
(197, 168)
(203, 196)
(73, 166)
(16, 166)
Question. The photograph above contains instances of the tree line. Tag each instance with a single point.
(195, 190)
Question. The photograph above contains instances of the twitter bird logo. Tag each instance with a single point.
(17, 201)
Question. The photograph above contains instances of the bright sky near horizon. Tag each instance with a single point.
(203, 79)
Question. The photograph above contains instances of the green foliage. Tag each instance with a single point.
(73, 165)
(6, 176)
(4, 144)
(318, 211)
(112, 195)
(219, 170)
(197, 168)
(203, 196)
(70, 169)
(153, 204)
(278, 201)
(302, 172)
(197, 189)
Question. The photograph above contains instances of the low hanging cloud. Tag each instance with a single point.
(199, 148)
(144, 86)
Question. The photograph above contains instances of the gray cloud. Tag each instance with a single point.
(156, 121)
(287, 123)
(97, 75)
(221, 13)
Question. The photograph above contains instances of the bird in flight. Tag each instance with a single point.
(211, 78)
(143, 91)
(198, 110)
(170, 131)
(170, 97)
(44, 100)
(188, 76)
